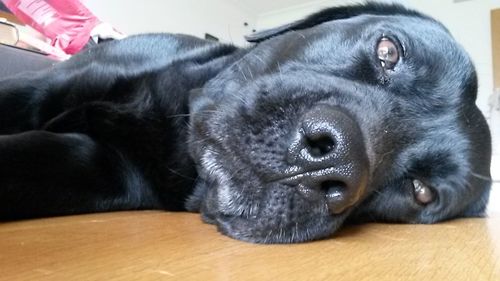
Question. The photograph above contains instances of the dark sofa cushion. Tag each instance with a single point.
(15, 60)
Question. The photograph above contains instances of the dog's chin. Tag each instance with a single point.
(253, 231)
(272, 223)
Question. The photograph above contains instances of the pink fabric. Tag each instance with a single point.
(67, 23)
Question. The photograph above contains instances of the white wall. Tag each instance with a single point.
(221, 18)
(279, 17)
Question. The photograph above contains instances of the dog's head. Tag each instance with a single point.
(362, 113)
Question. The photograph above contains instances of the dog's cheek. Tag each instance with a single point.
(392, 203)
(478, 208)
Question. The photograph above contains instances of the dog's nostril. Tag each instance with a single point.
(321, 145)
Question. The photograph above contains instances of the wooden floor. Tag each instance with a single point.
(177, 246)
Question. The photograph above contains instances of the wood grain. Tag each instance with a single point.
(151, 245)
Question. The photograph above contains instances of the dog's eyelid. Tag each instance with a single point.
(403, 49)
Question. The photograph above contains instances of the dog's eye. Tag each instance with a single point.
(387, 53)
(423, 194)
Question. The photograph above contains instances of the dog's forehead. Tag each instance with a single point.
(365, 27)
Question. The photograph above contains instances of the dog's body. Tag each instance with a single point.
(106, 130)
(364, 113)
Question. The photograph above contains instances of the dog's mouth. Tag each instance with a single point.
(323, 173)
(283, 214)
(338, 191)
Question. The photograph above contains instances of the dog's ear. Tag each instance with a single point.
(330, 14)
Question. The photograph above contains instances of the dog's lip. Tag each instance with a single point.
(294, 175)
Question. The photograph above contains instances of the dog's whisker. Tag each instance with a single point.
(299, 34)
(180, 174)
(479, 176)
(381, 159)
(259, 59)
(280, 71)
(179, 115)
(242, 72)
(266, 239)
(296, 230)
(250, 72)
(191, 114)
(201, 140)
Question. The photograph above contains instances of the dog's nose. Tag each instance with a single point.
(329, 158)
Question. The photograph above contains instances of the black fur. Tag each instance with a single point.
(173, 122)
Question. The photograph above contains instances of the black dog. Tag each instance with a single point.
(355, 113)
